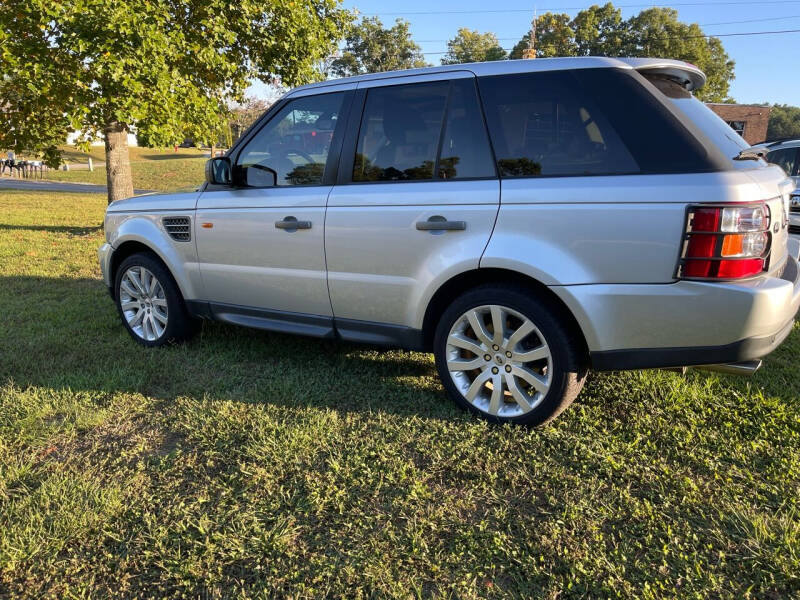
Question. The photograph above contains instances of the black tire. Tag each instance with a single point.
(569, 360)
(180, 324)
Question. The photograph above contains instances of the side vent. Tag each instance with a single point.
(178, 228)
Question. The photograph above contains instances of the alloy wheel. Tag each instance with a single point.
(143, 303)
(499, 361)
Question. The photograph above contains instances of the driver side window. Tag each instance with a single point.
(294, 143)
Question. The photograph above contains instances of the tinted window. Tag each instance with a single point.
(295, 142)
(543, 124)
(399, 134)
(465, 144)
(587, 122)
(785, 158)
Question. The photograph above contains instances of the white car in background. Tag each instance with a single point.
(786, 154)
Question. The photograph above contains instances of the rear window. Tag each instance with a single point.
(585, 122)
(713, 127)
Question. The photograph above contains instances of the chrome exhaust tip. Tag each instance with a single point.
(741, 368)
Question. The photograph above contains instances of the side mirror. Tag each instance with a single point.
(257, 176)
(218, 171)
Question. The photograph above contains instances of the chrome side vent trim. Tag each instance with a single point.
(178, 228)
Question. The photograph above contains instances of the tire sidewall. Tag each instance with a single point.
(564, 357)
(175, 308)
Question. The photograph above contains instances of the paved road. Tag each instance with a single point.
(54, 186)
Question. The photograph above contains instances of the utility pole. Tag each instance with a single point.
(530, 51)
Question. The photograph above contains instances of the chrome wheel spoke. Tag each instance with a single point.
(519, 395)
(497, 395)
(498, 324)
(520, 334)
(160, 302)
(535, 381)
(465, 364)
(459, 341)
(129, 305)
(531, 355)
(159, 317)
(125, 284)
(477, 385)
(476, 322)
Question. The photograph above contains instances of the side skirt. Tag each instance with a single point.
(350, 330)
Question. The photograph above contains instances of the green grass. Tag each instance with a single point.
(247, 464)
(161, 174)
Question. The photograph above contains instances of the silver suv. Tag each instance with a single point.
(524, 220)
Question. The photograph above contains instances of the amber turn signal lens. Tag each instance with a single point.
(207, 225)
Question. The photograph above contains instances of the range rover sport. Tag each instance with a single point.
(523, 220)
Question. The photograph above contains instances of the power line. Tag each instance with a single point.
(686, 37)
(509, 39)
(567, 8)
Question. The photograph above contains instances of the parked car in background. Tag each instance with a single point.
(632, 229)
(786, 154)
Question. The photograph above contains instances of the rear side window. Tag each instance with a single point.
(422, 131)
(584, 122)
(785, 158)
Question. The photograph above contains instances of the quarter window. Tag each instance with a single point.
(542, 125)
(294, 143)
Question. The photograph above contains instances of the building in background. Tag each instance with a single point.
(748, 120)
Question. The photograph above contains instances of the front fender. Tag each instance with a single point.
(179, 257)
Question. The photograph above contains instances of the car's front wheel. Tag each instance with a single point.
(508, 356)
(150, 303)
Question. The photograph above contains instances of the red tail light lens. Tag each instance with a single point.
(729, 241)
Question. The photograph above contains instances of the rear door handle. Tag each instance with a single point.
(439, 223)
(292, 224)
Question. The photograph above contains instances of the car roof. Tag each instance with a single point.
(688, 74)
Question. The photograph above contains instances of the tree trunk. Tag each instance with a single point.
(118, 163)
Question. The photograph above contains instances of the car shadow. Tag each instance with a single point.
(52, 228)
(65, 333)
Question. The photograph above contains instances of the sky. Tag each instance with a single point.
(766, 65)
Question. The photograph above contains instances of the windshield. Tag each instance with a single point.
(717, 130)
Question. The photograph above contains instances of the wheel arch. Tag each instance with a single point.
(133, 246)
(468, 280)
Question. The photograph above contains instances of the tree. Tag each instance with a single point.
(167, 67)
(371, 48)
(600, 31)
(472, 46)
(657, 32)
(784, 122)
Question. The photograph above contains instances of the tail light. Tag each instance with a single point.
(725, 241)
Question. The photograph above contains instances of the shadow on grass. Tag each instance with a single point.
(65, 333)
(52, 228)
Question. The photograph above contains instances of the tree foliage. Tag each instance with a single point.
(601, 31)
(372, 48)
(167, 67)
(472, 46)
(784, 122)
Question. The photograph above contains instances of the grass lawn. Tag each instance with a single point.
(161, 172)
(247, 464)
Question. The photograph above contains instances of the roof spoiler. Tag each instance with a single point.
(687, 74)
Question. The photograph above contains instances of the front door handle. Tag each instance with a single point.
(291, 224)
(439, 223)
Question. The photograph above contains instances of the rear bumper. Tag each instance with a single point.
(685, 323)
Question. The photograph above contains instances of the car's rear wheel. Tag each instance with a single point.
(149, 302)
(508, 356)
